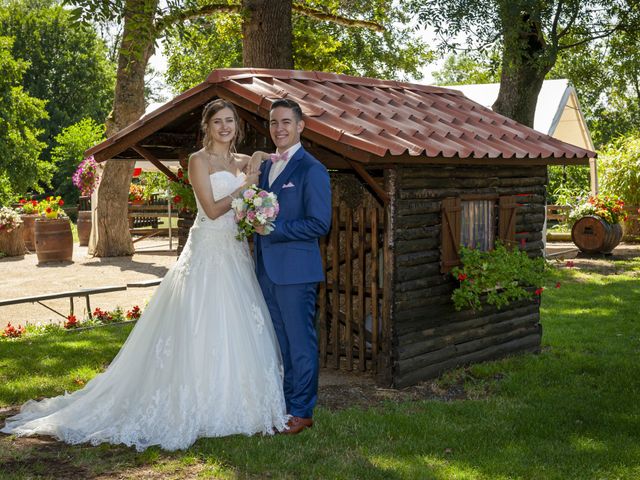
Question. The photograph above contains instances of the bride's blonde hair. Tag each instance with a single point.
(209, 111)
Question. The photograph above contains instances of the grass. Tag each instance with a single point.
(568, 413)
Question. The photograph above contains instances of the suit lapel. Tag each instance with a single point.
(288, 170)
(264, 176)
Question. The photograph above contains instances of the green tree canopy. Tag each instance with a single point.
(69, 152)
(20, 115)
(68, 64)
(215, 42)
(466, 68)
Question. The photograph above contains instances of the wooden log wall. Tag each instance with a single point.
(429, 335)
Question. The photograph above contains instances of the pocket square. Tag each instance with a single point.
(288, 185)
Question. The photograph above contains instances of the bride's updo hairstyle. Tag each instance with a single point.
(209, 111)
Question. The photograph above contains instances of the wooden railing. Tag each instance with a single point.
(144, 220)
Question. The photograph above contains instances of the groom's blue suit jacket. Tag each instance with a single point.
(291, 253)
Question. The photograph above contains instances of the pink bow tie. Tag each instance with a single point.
(277, 157)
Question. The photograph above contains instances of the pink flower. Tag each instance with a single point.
(251, 215)
(248, 194)
(269, 212)
(263, 193)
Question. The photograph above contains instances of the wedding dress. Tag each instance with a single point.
(202, 361)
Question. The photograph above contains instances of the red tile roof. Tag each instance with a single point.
(374, 120)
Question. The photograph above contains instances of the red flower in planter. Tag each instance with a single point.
(558, 285)
(61, 202)
(539, 291)
(12, 332)
(22, 201)
(72, 322)
(177, 199)
(462, 277)
(180, 173)
(134, 313)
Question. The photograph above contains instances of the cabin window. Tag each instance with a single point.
(472, 222)
(477, 224)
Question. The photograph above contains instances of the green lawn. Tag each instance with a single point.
(571, 412)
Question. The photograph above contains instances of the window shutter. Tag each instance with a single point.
(451, 210)
(507, 221)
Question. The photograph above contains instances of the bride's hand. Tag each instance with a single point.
(256, 160)
(251, 179)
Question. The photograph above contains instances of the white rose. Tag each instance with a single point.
(257, 202)
(237, 204)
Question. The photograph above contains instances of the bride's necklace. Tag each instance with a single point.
(221, 161)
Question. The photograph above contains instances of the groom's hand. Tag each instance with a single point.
(261, 230)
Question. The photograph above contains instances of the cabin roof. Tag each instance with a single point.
(363, 119)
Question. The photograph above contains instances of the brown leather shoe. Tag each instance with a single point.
(297, 424)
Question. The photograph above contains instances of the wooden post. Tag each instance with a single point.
(373, 214)
(348, 285)
(361, 311)
(335, 287)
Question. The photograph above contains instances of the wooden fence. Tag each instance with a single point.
(353, 312)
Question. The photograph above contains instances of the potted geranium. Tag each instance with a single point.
(28, 214)
(496, 277)
(86, 178)
(54, 241)
(596, 223)
(185, 201)
(11, 241)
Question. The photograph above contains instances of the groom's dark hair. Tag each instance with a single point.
(287, 103)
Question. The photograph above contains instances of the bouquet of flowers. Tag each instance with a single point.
(9, 219)
(86, 176)
(28, 207)
(51, 207)
(255, 208)
(609, 207)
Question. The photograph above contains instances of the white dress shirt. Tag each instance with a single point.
(278, 167)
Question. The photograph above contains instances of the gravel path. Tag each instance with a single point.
(22, 276)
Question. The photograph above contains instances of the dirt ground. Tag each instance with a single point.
(22, 277)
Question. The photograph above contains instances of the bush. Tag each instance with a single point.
(619, 168)
(496, 277)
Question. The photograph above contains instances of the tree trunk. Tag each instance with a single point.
(110, 233)
(266, 34)
(526, 59)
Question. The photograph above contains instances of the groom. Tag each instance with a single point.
(288, 263)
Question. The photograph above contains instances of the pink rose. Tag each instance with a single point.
(251, 215)
(269, 212)
(263, 193)
(248, 193)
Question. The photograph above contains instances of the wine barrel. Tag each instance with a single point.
(54, 241)
(592, 234)
(12, 243)
(28, 232)
(84, 227)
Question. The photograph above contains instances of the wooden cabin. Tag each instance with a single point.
(416, 172)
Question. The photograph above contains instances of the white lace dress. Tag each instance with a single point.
(202, 361)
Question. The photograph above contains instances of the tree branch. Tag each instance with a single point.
(330, 17)
(183, 15)
(605, 33)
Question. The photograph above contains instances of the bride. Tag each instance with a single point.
(203, 360)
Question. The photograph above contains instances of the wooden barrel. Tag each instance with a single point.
(54, 241)
(592, 234)
(84, 227)
(29, 232)
(12, 243)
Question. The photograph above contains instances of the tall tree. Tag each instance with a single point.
(215, 42)
(20, 115)
(68, 65)
(531, 34)
(144, 23)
